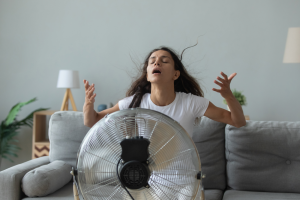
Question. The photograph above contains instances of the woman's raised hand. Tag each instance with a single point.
(89, 89)
(225, 85)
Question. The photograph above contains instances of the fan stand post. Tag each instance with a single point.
(65, 103)
(75, 192)
(202, 195)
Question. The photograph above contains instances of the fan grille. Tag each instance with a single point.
(173, 162)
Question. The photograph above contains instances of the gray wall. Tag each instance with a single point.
(38, 38)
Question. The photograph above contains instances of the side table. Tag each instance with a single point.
(40, 141)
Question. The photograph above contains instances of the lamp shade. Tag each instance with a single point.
(292, 47)
(68, 79)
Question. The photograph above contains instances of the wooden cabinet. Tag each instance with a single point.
(40, 140)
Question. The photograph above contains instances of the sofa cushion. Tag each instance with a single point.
(213, 194)
(11, 178)
(66, 132)
(46, 179)
(264, 156)
(209, 138)
(246, 195)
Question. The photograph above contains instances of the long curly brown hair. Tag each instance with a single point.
(185, 83)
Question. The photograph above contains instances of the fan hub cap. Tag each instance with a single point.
(135, 174)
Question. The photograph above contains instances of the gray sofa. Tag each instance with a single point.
(258, 161)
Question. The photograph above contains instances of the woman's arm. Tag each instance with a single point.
(89, 114)
(236, 116)
(91, 117)
(102, 114)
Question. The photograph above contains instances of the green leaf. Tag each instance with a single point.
(14, 111)
(7, 158)
(9, 130)
(11, 153)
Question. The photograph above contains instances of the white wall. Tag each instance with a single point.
(38, 38)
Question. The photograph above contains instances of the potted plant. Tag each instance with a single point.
(239, 96)
(9, 130)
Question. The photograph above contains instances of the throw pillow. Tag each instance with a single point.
(46, 179)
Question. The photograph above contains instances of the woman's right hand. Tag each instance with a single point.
(89, 89)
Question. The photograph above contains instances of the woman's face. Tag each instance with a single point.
(161, 68)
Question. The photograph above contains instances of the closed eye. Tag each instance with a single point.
(163, 62)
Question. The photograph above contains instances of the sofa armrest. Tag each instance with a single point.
(10, 179)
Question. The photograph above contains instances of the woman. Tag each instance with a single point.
(165, 86)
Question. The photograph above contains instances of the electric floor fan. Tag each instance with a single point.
(137, 154)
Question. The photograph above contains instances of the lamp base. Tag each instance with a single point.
(65, 103)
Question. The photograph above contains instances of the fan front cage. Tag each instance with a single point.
(173, 162)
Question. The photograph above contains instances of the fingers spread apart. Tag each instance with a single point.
(224, 75)
(217, 90)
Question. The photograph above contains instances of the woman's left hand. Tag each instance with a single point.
(225, 85)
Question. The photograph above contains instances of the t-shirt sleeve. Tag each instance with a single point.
(124, 103)
(199, 105)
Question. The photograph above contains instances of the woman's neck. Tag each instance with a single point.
(162, 95)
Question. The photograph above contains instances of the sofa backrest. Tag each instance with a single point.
(66, 132)
(264, 156)
(209, 138)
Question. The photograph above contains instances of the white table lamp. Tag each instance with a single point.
(292, 47)
(68, 79)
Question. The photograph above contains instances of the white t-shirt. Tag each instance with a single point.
(184, 109)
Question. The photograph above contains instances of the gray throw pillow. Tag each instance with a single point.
(46, 179)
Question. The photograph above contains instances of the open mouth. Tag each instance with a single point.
(156, 71)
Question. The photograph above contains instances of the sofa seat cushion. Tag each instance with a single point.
(66, 193)
(249, 195)
(264, 156)
(213, 194)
